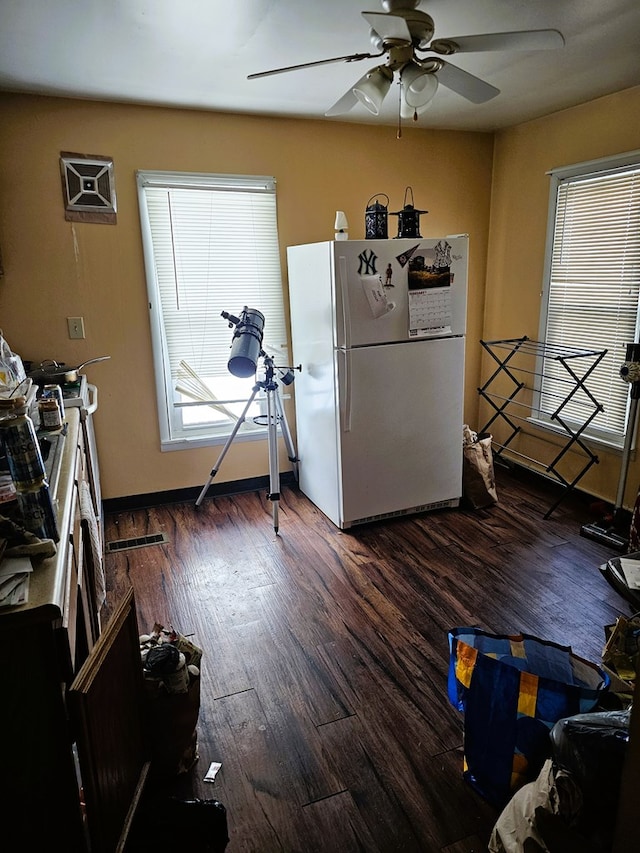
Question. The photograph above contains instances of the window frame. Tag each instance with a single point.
(174, 435)
(607, 165)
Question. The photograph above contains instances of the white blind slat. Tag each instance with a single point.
(593, 291)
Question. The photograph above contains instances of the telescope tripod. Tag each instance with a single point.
(275, 415)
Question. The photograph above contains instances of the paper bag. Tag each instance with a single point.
(478, 480)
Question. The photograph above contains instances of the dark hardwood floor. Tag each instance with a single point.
(323, 685)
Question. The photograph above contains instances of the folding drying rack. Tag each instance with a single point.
(570, 367)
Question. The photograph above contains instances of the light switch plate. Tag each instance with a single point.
(76, 327)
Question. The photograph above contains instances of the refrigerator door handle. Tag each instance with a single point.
(345, 402)
(344, 296)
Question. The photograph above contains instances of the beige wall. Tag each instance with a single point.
(520, 197)
(55, 269)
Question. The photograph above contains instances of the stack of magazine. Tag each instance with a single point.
(14, 580)
(623, 573)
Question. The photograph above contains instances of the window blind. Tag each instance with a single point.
(212, 245)
(593, 287)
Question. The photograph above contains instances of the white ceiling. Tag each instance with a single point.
(197, 53)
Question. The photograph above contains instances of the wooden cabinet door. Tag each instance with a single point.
(105, 702)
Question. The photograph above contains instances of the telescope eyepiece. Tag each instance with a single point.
(233, 321)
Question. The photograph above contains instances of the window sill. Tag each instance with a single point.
(612, 444)
(170, 445)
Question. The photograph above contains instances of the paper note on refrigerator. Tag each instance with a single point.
(376, 296)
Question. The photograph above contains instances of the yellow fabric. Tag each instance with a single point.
(465, 663)
(528, 694)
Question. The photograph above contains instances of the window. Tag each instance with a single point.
(591, 289)
(210, 245)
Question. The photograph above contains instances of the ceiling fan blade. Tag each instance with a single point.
(472, 88)
(388, 27)
(344, 104)
(525, 40)
(353, 57)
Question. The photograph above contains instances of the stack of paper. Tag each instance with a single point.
(14, 580)
(629, 568)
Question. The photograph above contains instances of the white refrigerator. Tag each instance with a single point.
(378, 327)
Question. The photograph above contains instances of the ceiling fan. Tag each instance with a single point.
(404, 34)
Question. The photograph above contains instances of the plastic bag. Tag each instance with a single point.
(512, 690)
(592, 748)
(478, 478)
(541, 817)
(12, 371)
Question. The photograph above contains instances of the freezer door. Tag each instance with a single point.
(399, 290)
(401, 412)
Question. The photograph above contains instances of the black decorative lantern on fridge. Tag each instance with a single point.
(375, 218)
(408, 218)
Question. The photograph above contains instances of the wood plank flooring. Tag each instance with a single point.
(323, 686)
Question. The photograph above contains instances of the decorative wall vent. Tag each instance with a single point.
(88, 188)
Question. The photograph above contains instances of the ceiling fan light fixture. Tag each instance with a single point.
(373, 87)
(419, 87)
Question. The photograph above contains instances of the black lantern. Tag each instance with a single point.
(375, 219)
(408, 218)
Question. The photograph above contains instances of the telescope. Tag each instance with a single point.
(246, 349)
(246, 344)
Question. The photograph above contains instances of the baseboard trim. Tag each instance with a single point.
(519, 469)
(216, 490)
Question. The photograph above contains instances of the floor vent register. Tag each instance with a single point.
(137, 542)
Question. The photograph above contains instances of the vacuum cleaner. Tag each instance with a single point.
(612, 530)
